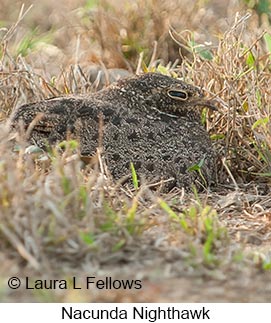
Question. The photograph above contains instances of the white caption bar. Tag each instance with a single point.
(134, 312)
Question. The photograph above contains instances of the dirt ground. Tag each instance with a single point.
(164, 266)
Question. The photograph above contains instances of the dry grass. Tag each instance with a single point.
(60, 218)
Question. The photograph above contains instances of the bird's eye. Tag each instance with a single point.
(178, 94)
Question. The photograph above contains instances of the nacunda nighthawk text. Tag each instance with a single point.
(139, 312)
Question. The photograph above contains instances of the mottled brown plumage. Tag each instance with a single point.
(151, 120)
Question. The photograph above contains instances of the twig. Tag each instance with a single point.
(154, 53)
(230, 174)
(13, 239)
(13, 28)
(139, 64)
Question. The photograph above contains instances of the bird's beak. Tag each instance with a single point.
(205, 103)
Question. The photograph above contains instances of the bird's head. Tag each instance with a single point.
(167, 95)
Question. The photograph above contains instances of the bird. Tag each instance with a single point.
(151, 120)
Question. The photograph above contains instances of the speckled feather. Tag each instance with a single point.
(152, 120)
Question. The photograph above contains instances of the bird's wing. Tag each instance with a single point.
(44, 115)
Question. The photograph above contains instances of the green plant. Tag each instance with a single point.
(198, 168)
(200, 222)
(134, 176)
(31, 41)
